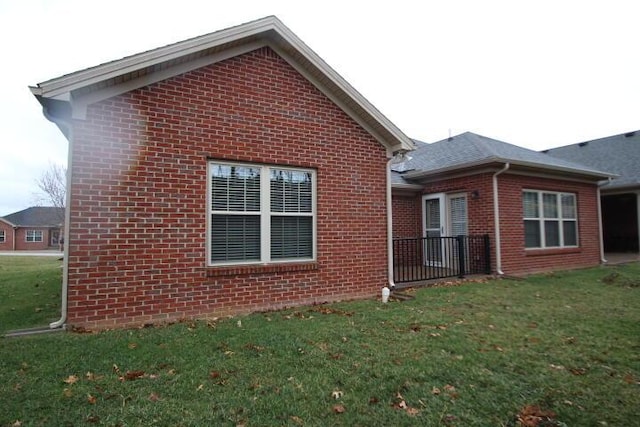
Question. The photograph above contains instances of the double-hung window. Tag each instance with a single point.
(34, 236)
(261, 214)
(2, 236)
(550, 219)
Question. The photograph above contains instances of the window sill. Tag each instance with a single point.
(552, 251)
(238, 270)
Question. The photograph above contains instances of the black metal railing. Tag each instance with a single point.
(426, 258)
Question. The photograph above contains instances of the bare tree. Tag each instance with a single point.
(53, 186)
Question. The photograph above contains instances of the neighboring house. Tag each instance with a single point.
(34, 228)
(228, 173)
(620, 197)
(540, 212)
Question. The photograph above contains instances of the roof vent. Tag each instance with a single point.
(582, 144)
(629, 134)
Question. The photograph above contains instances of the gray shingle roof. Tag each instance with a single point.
(37, 216)
(619, 154)
(470, 149)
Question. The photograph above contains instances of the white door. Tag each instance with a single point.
(443, 215)
(433, 219)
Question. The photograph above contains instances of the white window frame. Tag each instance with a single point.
(34, 236)
(541, 219)
(264, 213)
(3, 236)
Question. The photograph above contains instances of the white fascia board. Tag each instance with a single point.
(558, 169)
(79, 79)
(81, 103)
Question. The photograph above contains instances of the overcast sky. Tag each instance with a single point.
(538, 74)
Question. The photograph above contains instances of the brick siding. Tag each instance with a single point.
(515, 259)
(137, 246)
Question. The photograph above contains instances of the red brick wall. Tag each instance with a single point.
(406, 216)
(515, 259)
(138, 195)
(7, 245)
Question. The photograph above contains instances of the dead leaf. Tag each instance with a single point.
(67, 392)
(449, 388)
(534, 416)
(17, 423)
(339, 409)
(413, 411)
(132, 345)
(91, 399)
(297, 420)
(337, 394)
(154, 397)
(434, 334)
(443, 327)
(133, 375)
(630, 379)
(93, 419)
(200, 387)
(435, 391)
(214, 374)
(578, 371)
(557, 367)
(71, 379)
(116, 369)
(373, 400)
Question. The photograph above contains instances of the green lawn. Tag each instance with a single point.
(29, 291)
(565, 345)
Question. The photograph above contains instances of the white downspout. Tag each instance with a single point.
(67, 219)
(392, 284)
(496, 217)
(603, 260)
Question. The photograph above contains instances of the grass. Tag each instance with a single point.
(472, 355)
(29, 291)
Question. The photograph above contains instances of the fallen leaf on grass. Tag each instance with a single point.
(578, 371)
(297, 420)
(91, 399)
(17, 423)
(132, 375)
(71, 379)
(534, 416)
(337, 394)
(132, 345)
(435, 391)
(339, 409)
(154, 397)
(557, 367)
(93, 419)
(630, 379)
(67, 392)
(373, 400)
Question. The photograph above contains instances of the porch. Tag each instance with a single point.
(427, 258)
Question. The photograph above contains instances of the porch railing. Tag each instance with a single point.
(426, 258)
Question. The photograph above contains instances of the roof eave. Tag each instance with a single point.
(594, 175)
(270, 30)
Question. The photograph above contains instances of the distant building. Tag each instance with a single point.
(35, 228)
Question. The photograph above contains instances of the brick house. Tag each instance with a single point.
(540, 212)
(36, 228)
(228, 173)
(237, 172)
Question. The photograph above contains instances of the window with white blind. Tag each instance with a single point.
(2, 236)
(260, 214)
(550, 219)
(34, 236)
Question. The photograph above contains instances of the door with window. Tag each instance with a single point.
(444, 215)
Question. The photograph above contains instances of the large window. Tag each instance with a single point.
(261, 214)
(34, 236)
(2, 236)
(550, 219)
